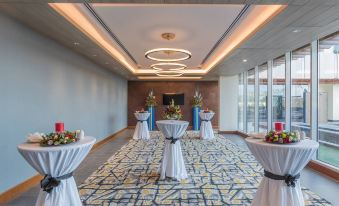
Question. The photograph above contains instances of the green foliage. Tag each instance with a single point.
(54, 139)
(197, 99)
(173, 111)
(150, 100)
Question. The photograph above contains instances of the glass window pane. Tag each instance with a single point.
(328, 110)
(301, 91)
(278, 90)
(263, 98)
(250, 100)
(241, 102)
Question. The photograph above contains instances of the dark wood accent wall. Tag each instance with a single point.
(138, 90)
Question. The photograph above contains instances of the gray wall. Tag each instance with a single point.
(42, 82)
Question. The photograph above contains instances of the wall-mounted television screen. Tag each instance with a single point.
(179, 99)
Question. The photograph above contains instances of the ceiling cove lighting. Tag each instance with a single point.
(74, 13)
(258, 16)
(169, 53)
(254, 20)
(174, 78)
(168, 66)
(169, 73)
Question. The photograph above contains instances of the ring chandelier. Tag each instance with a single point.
(161, 66)
(150, 54)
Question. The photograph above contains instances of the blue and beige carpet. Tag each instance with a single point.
(220, 173)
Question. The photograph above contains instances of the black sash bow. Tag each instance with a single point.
(289, 179)
(205, 120)
(49, 182)
(173, 140)
(141, 121)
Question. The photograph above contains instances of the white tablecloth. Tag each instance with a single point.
(172, 164)
(141, 129)
(206, 130)
(57, 161)
(281, 160)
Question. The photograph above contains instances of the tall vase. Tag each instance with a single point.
(151, 119)
(196, 118)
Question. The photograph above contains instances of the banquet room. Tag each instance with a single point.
(169, 102)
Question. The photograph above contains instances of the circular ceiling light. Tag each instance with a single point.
(168, 66)
(169, 73)
(168, 54)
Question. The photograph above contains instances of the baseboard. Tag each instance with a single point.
(105, 140)
(228, 132)
(30, 182)
(234, 132)
(324, 169)
(243, 134)
(19, 189)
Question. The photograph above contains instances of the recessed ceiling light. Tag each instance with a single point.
(76, 43)
(94, 55)
(106, 63)
(244, 60)
(296, 31)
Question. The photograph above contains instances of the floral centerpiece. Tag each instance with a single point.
(281, 137)
(150, 100)
(197, 99)
(59, 138)
(173, 111)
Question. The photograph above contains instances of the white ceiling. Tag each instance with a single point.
(139, 27)
(315, 19)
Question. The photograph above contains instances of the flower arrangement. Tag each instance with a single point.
(150, 99)
(173, 111)
(197, 99)
(281, 137)
(59, 138)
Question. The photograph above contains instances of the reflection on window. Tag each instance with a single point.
(278, 90)
(301, 91)
(250, 100)
(262, 98)
(328, 98)
(241, 102)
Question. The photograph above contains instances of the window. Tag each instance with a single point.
(328, 99)
(262, 116)
(250, 100)
(241, 102)
(301, 91)
(278, 90)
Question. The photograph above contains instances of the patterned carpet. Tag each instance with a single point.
(220, 173)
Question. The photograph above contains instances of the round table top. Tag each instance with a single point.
(36, 147)
(172, 122)
(302, 144)
(141, 115)
(206, 115)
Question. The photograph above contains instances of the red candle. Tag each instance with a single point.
(279, 126)
(59, 127)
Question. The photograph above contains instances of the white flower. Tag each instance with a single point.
(50, 142)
